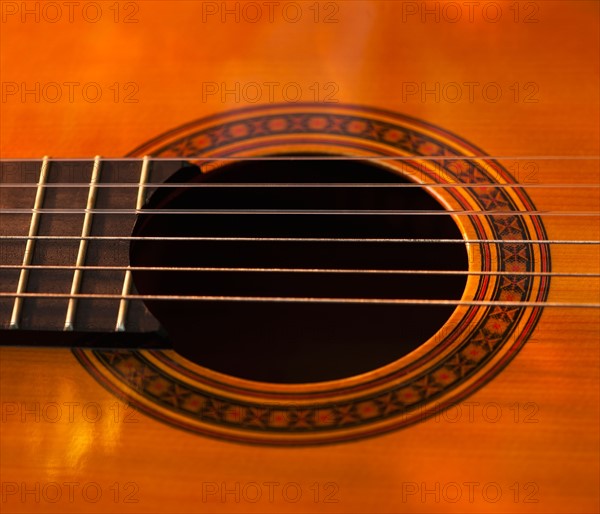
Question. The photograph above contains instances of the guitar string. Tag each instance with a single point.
(301, 239)
(310, 300)
(299, 270)
(299, 185)
(289, 299)
(202, 158)
(317, 212)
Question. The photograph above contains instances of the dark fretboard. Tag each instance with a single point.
(78, 256)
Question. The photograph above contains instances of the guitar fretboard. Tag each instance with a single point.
(93, 259)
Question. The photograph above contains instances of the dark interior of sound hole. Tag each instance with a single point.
(297, 342)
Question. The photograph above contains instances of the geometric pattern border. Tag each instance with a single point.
(163, 386)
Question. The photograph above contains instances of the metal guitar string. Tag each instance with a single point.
(301, 270)
(355, 212)
(303, 212)
(302, 239)
(300, 185)
(287, 299)
(315, 158)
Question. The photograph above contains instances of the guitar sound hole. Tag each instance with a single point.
(296, 342)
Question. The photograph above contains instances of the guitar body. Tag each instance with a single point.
(506, 94)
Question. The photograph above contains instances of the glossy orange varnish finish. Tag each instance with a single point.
(369, 53)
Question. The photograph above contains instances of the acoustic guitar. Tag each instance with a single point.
(312, 256)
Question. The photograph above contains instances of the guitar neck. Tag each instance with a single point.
(65, 272)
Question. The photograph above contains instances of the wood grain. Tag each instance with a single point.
(545, 444)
